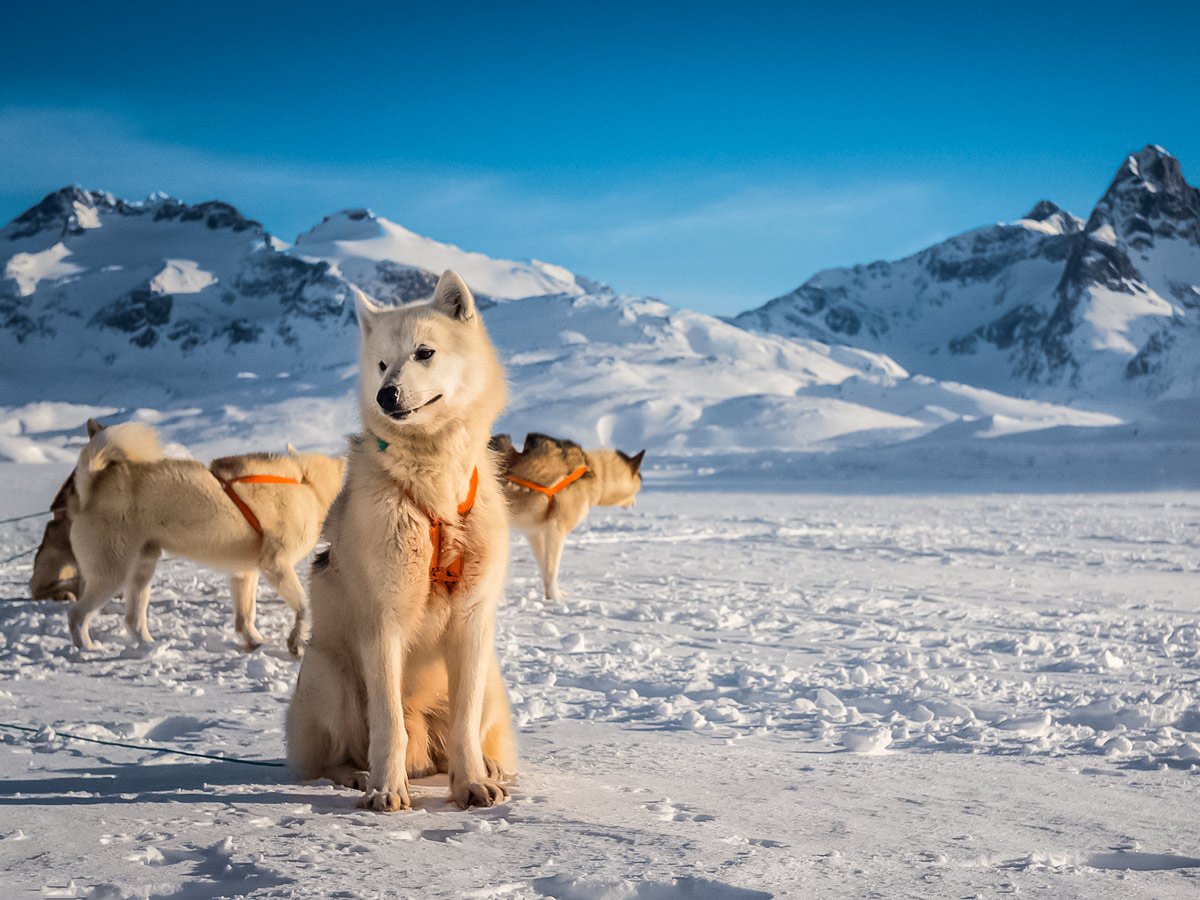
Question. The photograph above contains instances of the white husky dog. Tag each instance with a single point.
(245, 514)
(401, 678)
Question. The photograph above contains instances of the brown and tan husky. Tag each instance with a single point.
(552, 483)
(55, 573)
(244, 515)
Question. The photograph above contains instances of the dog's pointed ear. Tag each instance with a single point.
(93, 428)
(453, 297)
(365, 310)
(635, 461)
(292, 451)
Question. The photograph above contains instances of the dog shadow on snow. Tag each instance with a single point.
(186, 782)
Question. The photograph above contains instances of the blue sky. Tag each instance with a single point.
(711, 155)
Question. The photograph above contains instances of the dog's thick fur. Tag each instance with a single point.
(131, 504)
(401, 678)
(613, 478)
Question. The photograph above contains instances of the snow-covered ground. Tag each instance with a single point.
(745, 695)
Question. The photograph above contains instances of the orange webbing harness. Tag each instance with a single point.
(228, 483)
(554, 488)
(452, 574)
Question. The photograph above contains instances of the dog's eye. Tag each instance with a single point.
(382, 366)
(423, 353)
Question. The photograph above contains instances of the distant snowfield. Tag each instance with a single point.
(601, 369)
(745, 695)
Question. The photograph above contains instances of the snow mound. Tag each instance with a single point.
(366, 248)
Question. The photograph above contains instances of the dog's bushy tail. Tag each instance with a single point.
(127, 442)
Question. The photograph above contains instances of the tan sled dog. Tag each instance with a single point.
(552, 484)
(401, 679)
(132, 504)
(55, 574)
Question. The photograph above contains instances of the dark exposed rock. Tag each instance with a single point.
(187, 334)
(240, 331)
(305, 289)
(56, 213)
(843, 320)
(1044, 210)
(135, 311)
(1016, 325)
(213, 213)
(396, 283)
(1147, 358)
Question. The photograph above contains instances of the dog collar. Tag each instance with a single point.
(380, 444)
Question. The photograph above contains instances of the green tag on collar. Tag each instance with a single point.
(380, 444)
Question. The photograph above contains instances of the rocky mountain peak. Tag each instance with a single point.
(1053, 218)
(1043, 210)
(72, 210)
(68, 210)
(1154, 166)
(1149, 197)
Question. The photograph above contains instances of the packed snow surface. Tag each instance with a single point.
(745, 695)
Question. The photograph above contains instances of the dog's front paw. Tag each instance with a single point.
(484, 792)
(383, 800)
(296, 641)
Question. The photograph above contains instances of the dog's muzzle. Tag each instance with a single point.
(388, 399)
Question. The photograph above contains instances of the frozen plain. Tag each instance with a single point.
(745, 695)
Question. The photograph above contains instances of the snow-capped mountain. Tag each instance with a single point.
(1047, 304)
(377, 254)
(226, 337)
(159, 293)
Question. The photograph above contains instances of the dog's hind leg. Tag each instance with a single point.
(537, 543)
(554, 539)
(349, 776)
(137, 593)
(244, 586)
(417, 760)
(97, 590)
(326, 725)
(283, 578)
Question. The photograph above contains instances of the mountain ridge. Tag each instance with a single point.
(1049, 305)
(221, 333)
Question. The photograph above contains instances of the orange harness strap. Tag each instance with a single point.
(451, 574)
(246, 511)
(554, 488)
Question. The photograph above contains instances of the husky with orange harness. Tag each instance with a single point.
(401, 678)
(247, 514)
(552, 484)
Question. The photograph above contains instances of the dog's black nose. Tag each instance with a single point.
(387, 398)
